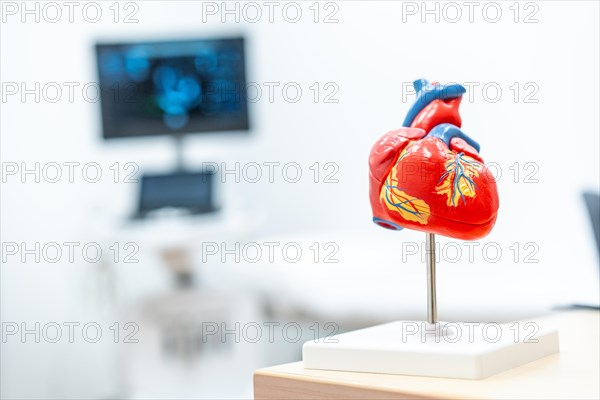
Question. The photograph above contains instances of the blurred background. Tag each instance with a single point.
(185, 185)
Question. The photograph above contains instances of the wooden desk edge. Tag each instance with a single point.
(292, 382)
(269, 384)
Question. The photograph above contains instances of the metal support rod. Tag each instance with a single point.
(430, 258)
(179, 159)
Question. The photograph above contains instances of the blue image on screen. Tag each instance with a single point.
(177, 87)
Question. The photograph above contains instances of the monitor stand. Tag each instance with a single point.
(179, 156)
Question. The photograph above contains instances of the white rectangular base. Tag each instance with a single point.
(447, 350)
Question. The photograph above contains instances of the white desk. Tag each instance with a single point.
(571, 374)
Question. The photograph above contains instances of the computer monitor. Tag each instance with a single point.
(190, 191)
(172, 87)
(592, 201)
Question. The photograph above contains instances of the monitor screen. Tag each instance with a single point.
(175, 87)
(592, 200)
(192, 191)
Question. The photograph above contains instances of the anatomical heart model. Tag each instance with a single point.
(429, 176)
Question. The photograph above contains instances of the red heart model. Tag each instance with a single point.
(429, 176)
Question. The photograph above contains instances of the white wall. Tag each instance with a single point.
(369, 54)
